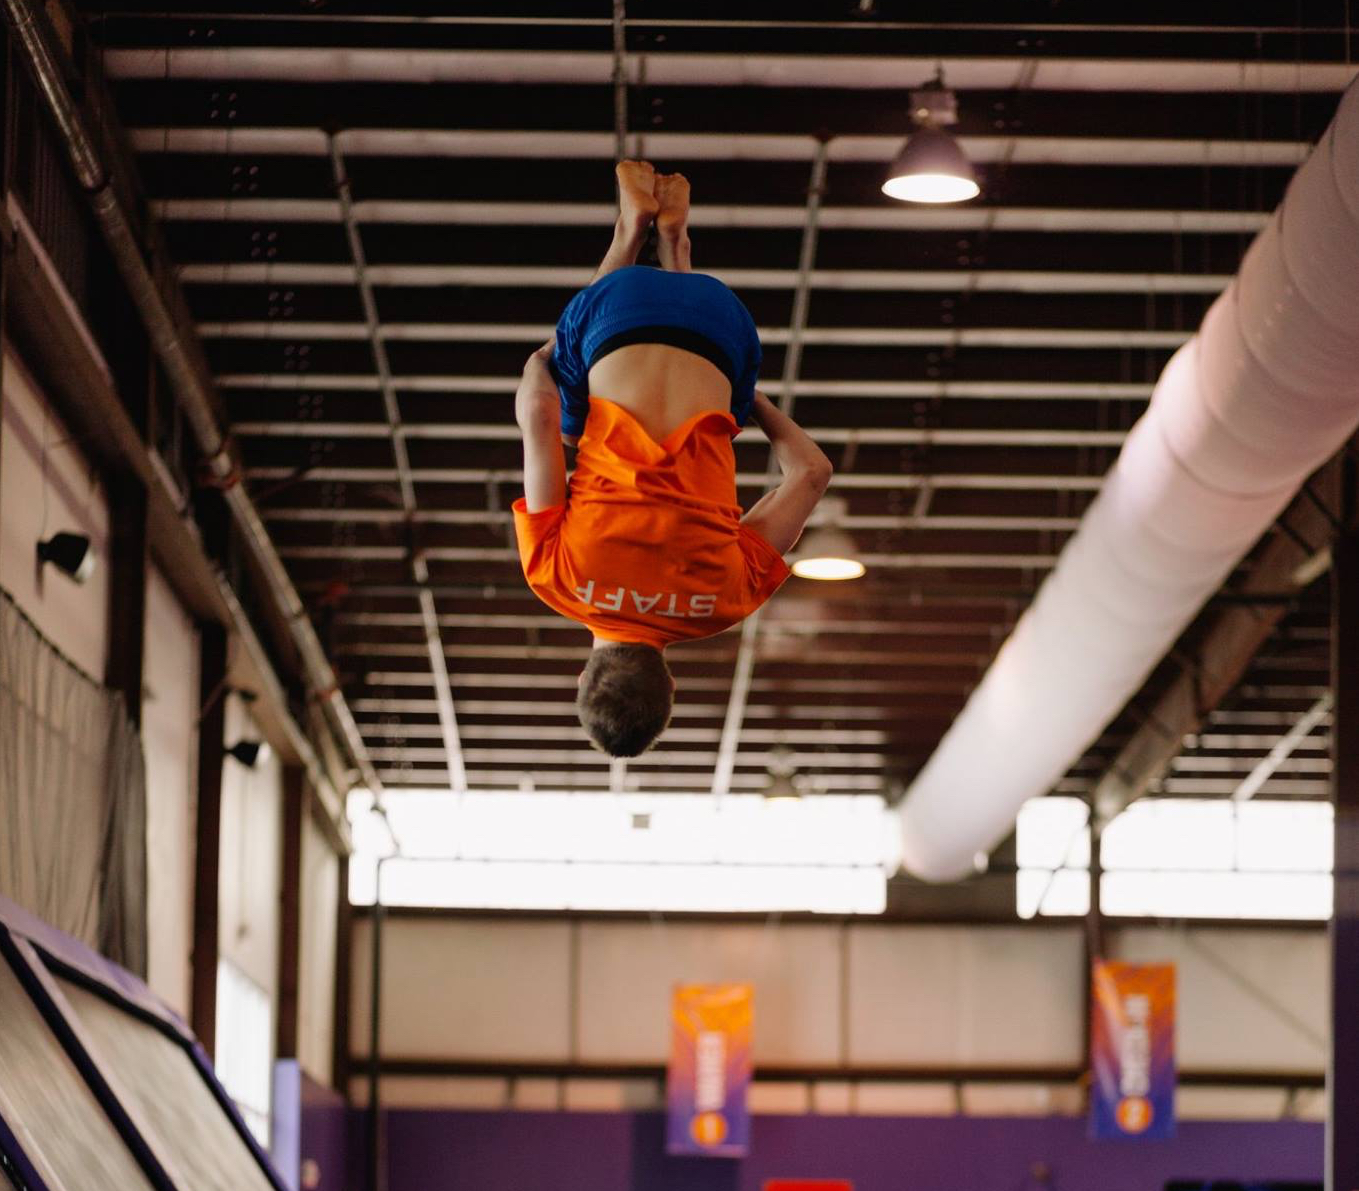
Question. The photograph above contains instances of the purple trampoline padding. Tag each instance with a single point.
(77, 956)
(10, 1149)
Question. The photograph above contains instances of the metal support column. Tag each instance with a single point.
(1095, 945)
(344, 976)
(208, 850)
(1342, 1082)
(294, 810)
(377, 1155)
(128, 559)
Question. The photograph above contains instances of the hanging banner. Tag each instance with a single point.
(1132, 1051)
(709, 1070)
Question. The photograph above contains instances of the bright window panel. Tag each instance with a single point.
(245, 1046)
(1052, 845)
(1053, 833)
(544, 885)
(1172, 834)
(1216, 895)
(1052, 893)
(625, 852)
(1180, 858)
(1296, 837)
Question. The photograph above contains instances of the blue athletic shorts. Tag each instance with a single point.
(639, 304)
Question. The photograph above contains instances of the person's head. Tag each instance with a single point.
(625, 696)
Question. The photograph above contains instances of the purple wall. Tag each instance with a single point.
(492, 1151)
(310, 1131)
(325, 1134)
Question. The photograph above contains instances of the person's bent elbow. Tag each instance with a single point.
(819, 472)
(538, 412)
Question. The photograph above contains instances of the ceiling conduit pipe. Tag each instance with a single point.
(1264, 393)
(187, 377)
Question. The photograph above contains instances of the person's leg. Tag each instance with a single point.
(637, 208)
(672, 222)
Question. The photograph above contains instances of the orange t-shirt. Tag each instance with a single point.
(649, 546)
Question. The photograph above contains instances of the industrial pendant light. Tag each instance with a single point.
(932, 167)
(827, 551)
(781, 768)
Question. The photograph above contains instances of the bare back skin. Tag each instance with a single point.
(661, 386)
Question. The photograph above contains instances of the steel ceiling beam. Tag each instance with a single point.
(849, 521)
(782, 687)
(1091, 150)
(873, 738)
(852, 480)
(734, 252)
(304, 64)
(962, 560)
(566, 708)
(1037, 281)
(517, 333)
(419, 23)
(789, 619)
(397, 432)
(433, 212)
(535, 752)
(939, 390)
(881, 654)
(468, 432)
(660, 782)
(997, 390)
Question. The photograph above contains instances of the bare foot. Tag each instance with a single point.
(636, 197)
(672, 192)
(672, 223)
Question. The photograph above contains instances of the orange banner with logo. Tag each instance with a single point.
(1132, 1051)
(710, 1068)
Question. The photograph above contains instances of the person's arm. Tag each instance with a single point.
(537, 409)
(779, 516)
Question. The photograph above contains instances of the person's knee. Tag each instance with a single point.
(625, 698)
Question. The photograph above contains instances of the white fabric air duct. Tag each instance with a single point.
(1260, 397)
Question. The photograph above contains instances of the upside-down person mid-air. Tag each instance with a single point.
(652, 375)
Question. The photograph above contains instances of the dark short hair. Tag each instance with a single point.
(625, 697)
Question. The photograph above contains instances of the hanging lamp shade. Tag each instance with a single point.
(828, 553)
(781, 788)
(931, 168)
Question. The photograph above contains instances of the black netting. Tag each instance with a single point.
(72, 797)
